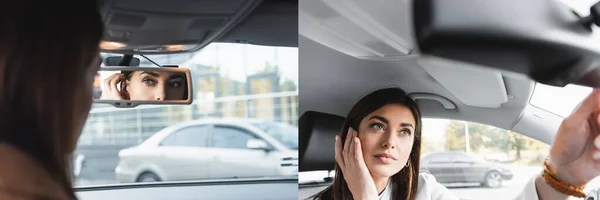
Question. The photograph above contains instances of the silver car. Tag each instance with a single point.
(212, 149)
(459, 167)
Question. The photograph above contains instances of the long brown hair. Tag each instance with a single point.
(405, 182)
(46, 51)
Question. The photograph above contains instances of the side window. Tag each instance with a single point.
(230, 137)
(460, 158)
(439, 158)
(195, 136)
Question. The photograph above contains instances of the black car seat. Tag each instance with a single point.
(317, 146)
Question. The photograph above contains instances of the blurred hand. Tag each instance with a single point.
(110, 90)
(575, 153)
(350, 160)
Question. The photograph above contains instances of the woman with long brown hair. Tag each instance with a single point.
(382, 130)
(48, 58)
(378, 155)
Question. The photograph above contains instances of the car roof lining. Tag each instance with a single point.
(332, 82)
(142, 24)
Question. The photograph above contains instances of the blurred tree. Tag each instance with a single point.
(288, 85)
(455, 136)
(518, 142)
(428, 146)
(485, 137)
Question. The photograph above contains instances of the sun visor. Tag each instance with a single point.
(158, 27)
(472, 85)
(361, 29)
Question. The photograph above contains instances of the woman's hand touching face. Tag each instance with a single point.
(349, 159)
(112, 90)
(575, 153)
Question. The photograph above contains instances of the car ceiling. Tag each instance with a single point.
(331, 82)
(348, 49)
(164, 22)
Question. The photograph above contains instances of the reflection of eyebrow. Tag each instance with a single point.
(176, 76)
(384, 120)
(151, 73)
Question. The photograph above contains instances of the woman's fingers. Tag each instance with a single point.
(116, 79)
(596, 154)
(106, 84)
(358, 156)
(585, 109)
(350, 153)
(347, 144)
(338, 151)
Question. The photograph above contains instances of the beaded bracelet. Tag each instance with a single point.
(561, 186)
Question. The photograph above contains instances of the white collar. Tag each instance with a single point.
(387, 192)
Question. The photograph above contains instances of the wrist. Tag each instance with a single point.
(369, 196)
(564, 173)
(366, 195)
(545, 191)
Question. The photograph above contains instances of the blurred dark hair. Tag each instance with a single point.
(48, 48)
(405, 182)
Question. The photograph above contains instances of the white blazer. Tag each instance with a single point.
(430, 189)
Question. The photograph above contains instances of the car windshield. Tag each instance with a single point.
(230, 82)
(545, 97)
(284, 133)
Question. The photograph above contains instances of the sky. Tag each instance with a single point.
(249, 58)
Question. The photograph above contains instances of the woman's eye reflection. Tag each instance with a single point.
(175, 84)
(149, 81)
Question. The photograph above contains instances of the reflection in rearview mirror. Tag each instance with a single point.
(132, 86)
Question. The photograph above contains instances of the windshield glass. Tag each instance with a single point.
(236, 84)
(559, 100)
(284, 133)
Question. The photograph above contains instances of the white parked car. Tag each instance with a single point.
(212, 149)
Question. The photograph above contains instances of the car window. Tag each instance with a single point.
(195, 136)
(439, 158)
(460, 158)
(233, 83)
(284, 133)
(514, 157)
(229, 137)
(544, 97)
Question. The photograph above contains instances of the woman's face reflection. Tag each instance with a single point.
(149, 85)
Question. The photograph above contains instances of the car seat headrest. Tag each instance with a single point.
(317, 140)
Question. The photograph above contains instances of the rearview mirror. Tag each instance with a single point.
(545, 40)
(257, 144)
(130, 87)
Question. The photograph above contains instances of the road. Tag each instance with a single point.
(100, 163)
(509, 189)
